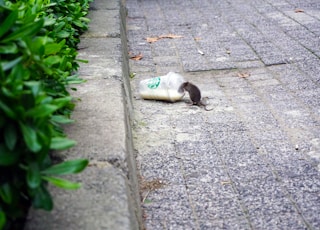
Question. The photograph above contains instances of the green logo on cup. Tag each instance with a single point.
(153, 83)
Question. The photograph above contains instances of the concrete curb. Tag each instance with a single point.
(109, 197)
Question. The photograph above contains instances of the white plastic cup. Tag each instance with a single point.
(164, 88)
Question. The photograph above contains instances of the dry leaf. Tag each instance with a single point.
(152, 39)
(298, 10)
(197, 38)
(155, 39)
(170, 36)
(243, 75)
(99, 164)
(136, 57)
(225, 182)
(152, 185)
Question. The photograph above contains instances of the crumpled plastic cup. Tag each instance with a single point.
(164, 88)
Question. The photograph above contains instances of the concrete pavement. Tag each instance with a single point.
(253, 162)
(108, 198)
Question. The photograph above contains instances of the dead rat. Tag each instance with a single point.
(194, 94)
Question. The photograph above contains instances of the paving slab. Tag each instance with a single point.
(253, 162)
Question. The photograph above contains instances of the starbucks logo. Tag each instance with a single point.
(153, 83)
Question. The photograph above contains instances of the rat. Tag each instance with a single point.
(194, 94)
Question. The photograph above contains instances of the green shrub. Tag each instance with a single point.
(38, 42)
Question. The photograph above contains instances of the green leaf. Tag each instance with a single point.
(147, 201)
(54, 48)
(79, 23)
(79, 81)
(9, 49)
(49, 21)
(42, 110)
(61, 119)
(7, 157)
(30, 137)
(8, 22)
(35, 87)
(42, 199)
(7, 92)
(61, 143)
(18, 74)
(63, 34)
(24, 31)
(67, 167)
(82, 60)
(37, 46)
(8, 111)
(51, 60)
(6, 193)
(74, 79)
(59, 26)
(10, 136)
(86, 20)
(2, 220)
(8, 65)
(61, 183)
(33, 175)
(60, 102)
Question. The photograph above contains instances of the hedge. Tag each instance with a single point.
(38, 50)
